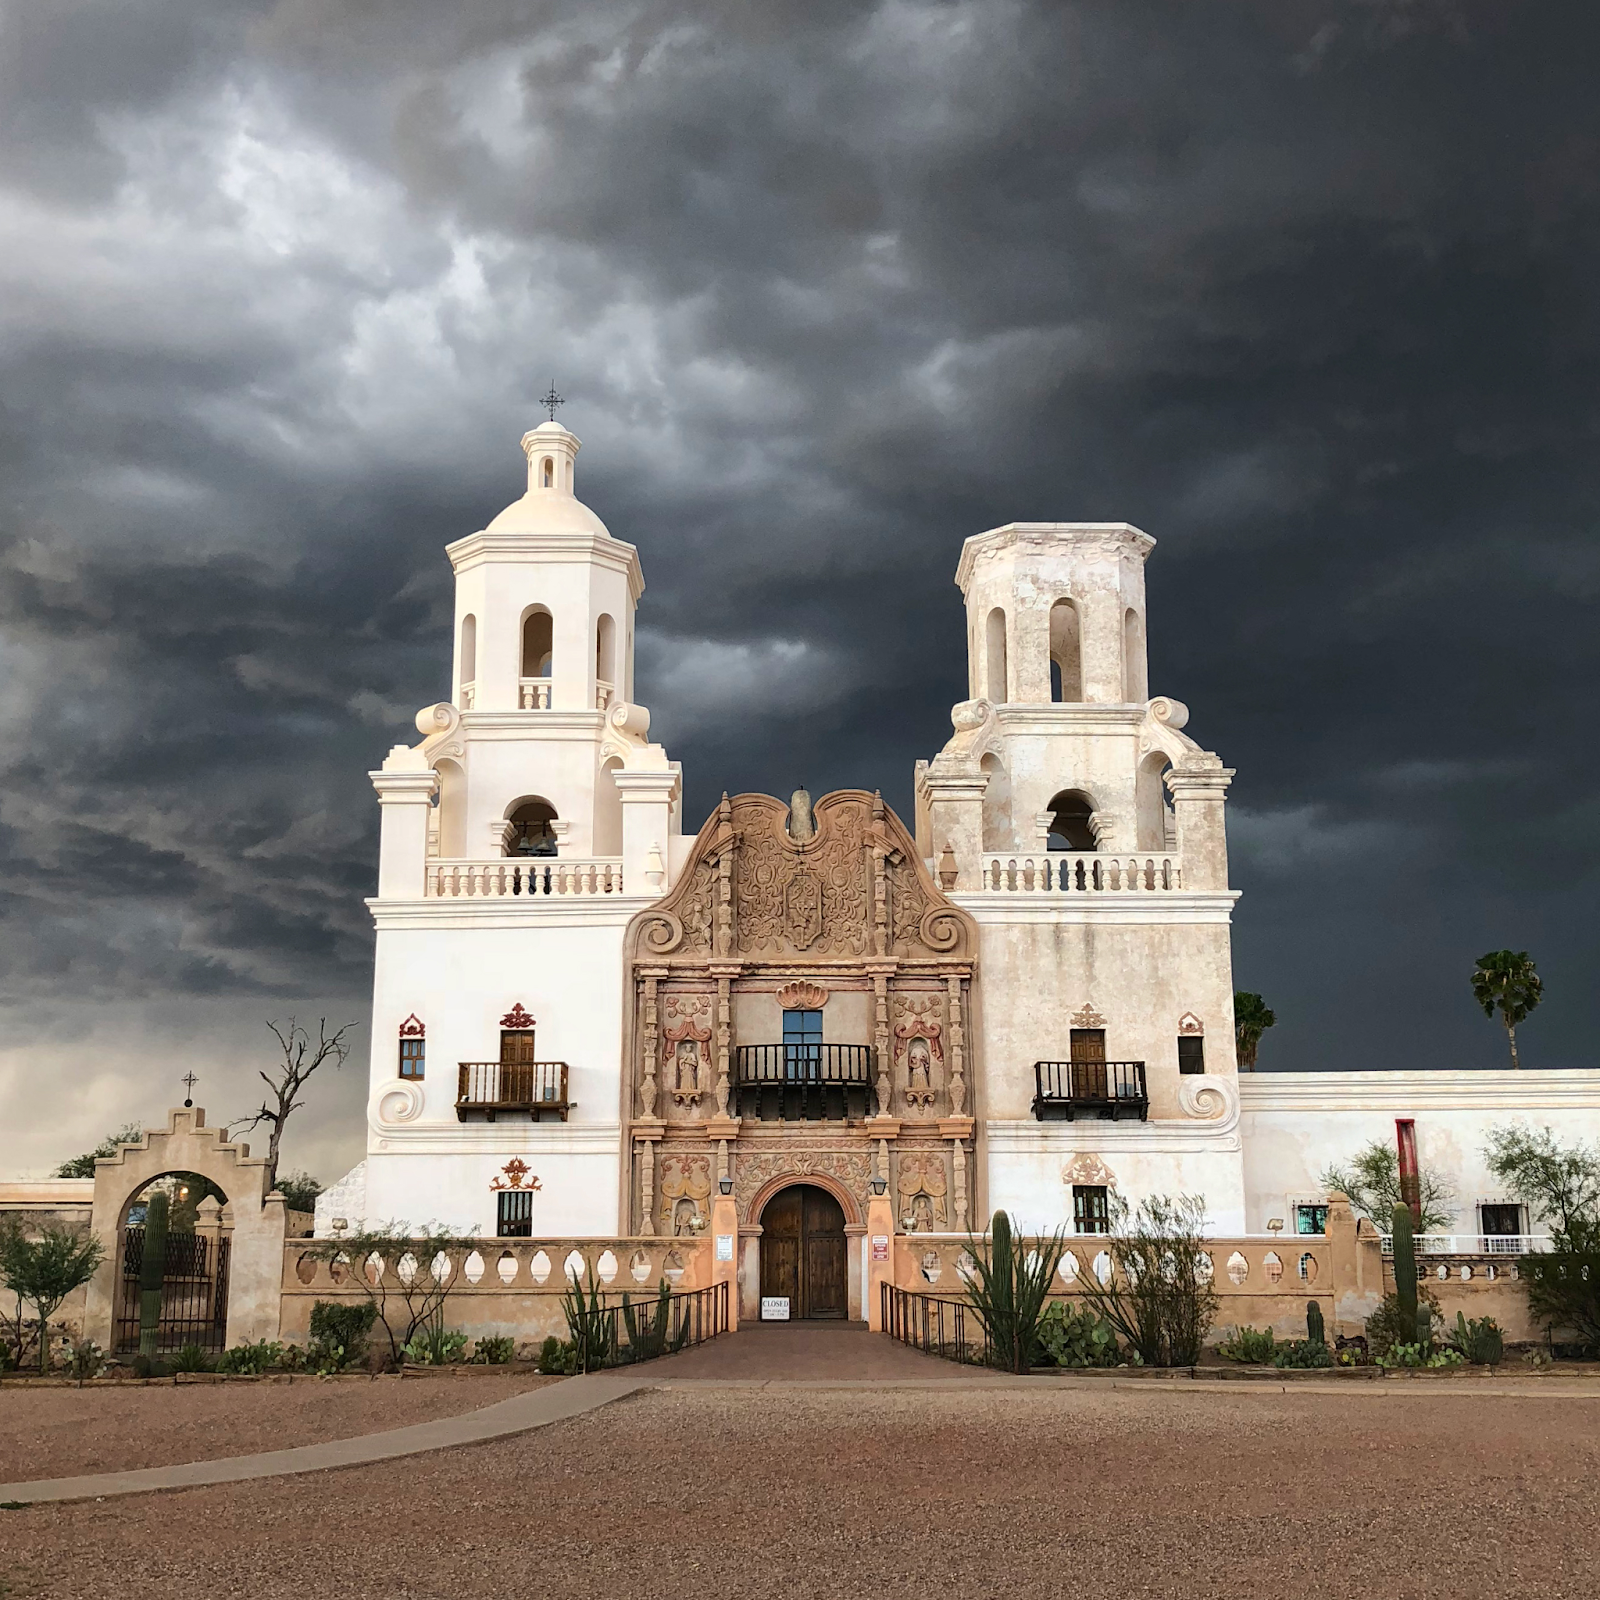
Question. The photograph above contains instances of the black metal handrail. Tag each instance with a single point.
(802, 1063)
(620, 1335)
(1107, 1088)
(935, 1325)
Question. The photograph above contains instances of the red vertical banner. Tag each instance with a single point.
(1405, 1138)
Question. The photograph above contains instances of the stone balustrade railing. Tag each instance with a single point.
(526, 877)
(495, 1285)
(325, 1268)
(1063, 872)
(1294, 1265)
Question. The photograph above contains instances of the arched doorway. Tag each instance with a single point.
(804, 1259)
(195, 1246)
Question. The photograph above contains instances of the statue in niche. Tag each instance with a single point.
(919, 1048)
(919, 1064)
(686, 1049)
(686, 1060)
(922, 1186)
(802, 825)
(685, 1189)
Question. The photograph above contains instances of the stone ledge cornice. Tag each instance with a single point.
(580, 911)
(1122, 538)
(1135, 908)
(1529, 1092)
(1179, 1137)
(495, 1138)
(536, 548)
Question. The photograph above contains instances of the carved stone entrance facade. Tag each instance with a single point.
(799, 1009)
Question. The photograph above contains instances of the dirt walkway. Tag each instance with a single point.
(1210, 1492)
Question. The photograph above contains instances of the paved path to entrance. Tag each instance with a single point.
(830, 1353)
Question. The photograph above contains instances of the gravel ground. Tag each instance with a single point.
(58, 1433)
(970, 1493)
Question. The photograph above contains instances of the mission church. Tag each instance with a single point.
(589, 1017)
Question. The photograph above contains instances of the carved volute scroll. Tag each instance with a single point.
(854, 889)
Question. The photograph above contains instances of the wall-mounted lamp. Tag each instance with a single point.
(878, 1185)
(725, 1184)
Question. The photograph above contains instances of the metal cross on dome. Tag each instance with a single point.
(189, 1081)
(552, 400)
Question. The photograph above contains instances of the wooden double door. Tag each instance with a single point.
(803, 1252)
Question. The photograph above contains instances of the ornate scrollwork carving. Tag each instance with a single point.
(1209, 1099)
(396, 1103)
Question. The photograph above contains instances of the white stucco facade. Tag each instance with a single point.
(1071, 819)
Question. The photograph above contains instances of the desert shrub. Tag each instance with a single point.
(1479, 1341)
(1077, 1338)
(436, 1346)
(1419, 1355)
(558, 1356)
(1007, 1289)
(1386, 1326)
(251, 1358)
(1254, 1345)
(1563, 1290)
(1303, 1353)
(1159, 1296)
(346, 1325)
(593, 1330)
(495, 1350)
(85, 1359)
(191, 1358)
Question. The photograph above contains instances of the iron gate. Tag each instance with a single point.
(194, 1293)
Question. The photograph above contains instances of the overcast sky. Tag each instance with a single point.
(1305, 290)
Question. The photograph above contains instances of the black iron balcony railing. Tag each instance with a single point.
(804, 1082)
(488, 1087)
(1111, 1090)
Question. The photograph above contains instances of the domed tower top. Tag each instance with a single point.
(550, 505)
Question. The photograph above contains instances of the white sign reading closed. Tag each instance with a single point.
(774, 1308)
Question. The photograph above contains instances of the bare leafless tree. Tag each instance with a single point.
(302, 1056)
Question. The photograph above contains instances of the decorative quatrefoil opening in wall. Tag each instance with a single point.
(516, 1017)
(802, 996)
(412, 1027)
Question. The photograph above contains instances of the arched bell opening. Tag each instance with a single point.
(1072, 822)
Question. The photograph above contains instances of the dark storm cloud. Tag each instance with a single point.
(1305, 290)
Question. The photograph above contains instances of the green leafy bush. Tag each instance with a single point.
(558, 1356)
(1563, 1289)
(436, 1347)
(1419, 1355)
(1077, 1338)
(1254, 1345)
(191, 1358)
(1303, 1353)
(1479, 1341)
(1389, 1324)
(251, 1358)
(345, 1326)
(494, 1351)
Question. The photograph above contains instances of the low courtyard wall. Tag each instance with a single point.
(1267, 1282)
(497, 1287)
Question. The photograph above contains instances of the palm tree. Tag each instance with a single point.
(1251, 1018)
(1504, 981)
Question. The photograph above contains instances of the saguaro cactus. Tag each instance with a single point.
(1316, 1329)
(152, 1268)
(1405, 1273)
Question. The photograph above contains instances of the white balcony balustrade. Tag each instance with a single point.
(533, 694)
(1062, 872)
(523, 877)
(469, 696)
(603, 693)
